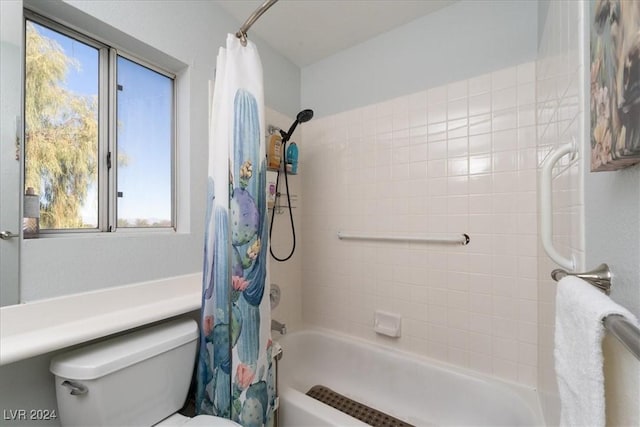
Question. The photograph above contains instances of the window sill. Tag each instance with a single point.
(131, 232)
(36, 328)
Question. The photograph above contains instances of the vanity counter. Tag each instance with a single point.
(39, 327)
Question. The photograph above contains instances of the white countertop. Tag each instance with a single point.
(36, 328)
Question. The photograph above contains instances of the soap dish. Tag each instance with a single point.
(386, 323)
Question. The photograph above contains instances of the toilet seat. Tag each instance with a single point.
(210, 421)
(176, 420)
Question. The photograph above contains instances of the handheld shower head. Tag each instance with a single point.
(302, 117)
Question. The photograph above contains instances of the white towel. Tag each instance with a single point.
(580, 309)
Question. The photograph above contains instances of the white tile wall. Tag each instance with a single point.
(459, 158)
(559, 111)
(288, 274)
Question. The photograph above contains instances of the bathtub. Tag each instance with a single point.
(416, 390)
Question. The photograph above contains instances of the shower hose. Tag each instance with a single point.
(273, 213)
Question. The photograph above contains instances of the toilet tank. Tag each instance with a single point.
(135, 379)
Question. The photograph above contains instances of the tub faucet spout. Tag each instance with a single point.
(279, 327)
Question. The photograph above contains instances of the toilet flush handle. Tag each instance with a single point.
(77, 389)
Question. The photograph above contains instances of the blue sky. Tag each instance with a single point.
(144, 140)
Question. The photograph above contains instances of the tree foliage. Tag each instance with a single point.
(61, 134)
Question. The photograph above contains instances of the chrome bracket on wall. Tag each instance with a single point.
(274, 295)
(600, 277)
(6, 235)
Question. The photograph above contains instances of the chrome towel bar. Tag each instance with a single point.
(626, 332)
(621, 328)
(462, 239)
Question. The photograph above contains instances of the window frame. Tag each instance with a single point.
(106, 181)
(113, 143)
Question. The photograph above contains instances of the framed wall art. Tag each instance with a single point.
(615, 84)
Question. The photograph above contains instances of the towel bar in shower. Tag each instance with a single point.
(625, 331)
(462, 239)
(546, 214)
(600, 277)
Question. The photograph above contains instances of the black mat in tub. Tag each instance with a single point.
(364, 413)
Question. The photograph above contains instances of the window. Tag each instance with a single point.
(145, 145)
(99, 133)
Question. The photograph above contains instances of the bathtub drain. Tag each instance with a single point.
(364, 413)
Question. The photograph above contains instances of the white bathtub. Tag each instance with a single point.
(416, 390)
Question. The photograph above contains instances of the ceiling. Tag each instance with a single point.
(306, 31)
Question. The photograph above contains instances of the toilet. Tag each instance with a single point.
(136, 379)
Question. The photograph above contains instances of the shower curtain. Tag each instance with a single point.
(235, 377)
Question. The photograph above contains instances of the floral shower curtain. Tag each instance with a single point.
(235, 376)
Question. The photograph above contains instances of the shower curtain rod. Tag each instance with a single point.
(242, 32)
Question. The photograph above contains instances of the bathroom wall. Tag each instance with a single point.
(583, 202)
(464, 40)
(456, 158)
(560, 117)
(616, 242)
(287, 275)
(28, 385)
(64, 265)
(612, 212)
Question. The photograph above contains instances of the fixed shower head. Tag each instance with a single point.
(302, 117)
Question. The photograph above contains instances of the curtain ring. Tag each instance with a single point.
(243, 38)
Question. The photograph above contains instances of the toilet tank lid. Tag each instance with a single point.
(102, 358)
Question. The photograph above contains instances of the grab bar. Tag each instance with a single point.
(462, 239)
(546, 213)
